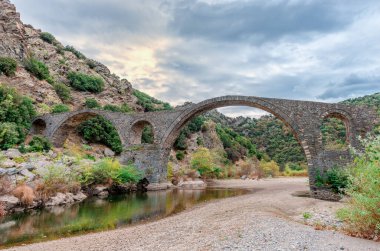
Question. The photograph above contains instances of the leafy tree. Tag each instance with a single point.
(16, 113)
(8, 66)
(84, 82)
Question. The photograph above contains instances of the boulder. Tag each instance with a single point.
(9, 201)
(79, 197)
(3, 171)
(8, 163)
(12, 153)
(60, 199)
(28, 174)
(13, 171)
(108, 152)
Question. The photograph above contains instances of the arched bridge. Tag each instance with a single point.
(303, 117)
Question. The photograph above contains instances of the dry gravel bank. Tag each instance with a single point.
(264, 220)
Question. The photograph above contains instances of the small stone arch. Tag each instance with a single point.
(71, 123)
(38, 127)
(347, 121)
(137, 129)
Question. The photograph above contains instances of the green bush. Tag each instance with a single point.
(9, 135)
(149, 103)
(60, 108)
(336, 178)
(84, 82)
(180, 155)
(16, 113)
(77, 53)
(63, 91)
(91, 103)
(39, 144)
(47, 37)
(110, 170)
(100, 130)
(112, 108)
(8, 66)
(37, 68)
(203, 162)
(147, 136)
(362, 212)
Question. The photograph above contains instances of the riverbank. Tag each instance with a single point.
(268, 219)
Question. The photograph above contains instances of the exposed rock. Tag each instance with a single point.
(2, 171)
(27, 173)
(60, 199)
(9, 201)
(12, 153)
(193, 184)
(79, 197)
(12, 171)
(158, 186)
(108, 152)
(8, 163)
(100, 191)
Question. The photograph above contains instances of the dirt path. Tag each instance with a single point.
(259, 221)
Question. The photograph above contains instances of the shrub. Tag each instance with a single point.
(109, 171)
(47, 37)
(25, 194)
(335, 177)
(37, 68)
(9, 135)
(39, 144)
(60, 108)
(288, 171)
(180, 155)
(63, 91)
(57, 179)
(169, 170)
(100, 130)
(147, 136)
(203, 162)
(84, 82)
(8, 66)
(200, 141)
(270, 168)
(126, 108)
(77, 53)
(112, 108)
(361, 214)
(149, 103)
(91, 103)
(16, 113)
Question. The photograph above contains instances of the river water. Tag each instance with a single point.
(102, 214)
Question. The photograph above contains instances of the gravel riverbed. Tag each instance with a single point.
(268, 219)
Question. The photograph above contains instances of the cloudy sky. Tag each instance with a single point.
(191, 50)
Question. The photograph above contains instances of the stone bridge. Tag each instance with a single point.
(303, 117)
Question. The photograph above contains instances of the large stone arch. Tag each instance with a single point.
(71, 121)
(210, 104)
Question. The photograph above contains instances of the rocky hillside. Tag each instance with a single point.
(20, 41)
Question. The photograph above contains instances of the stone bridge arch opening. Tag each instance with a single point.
(142, 132)
(70, 127)
(38, 127)
(335, 131)
(211, 104)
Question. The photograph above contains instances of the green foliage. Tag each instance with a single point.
(147, 136)
(200, 141)
(60, 108)
(8, 66)
(149, 103)
(293, 169)
(180, 143)
(16, 113)
(77, 53)
(110, 170)
(84, 82)
(100, 130)
(180, 155)
(203, 162)
(336, 178)
(362, 212)
(63, 91)
(269, 168)
(91, 103)
(47, 37)
(9, 135)
(37, 68)
(194, 125)
(307, 215)
(333, 134)
(112, 108)
(39, 144)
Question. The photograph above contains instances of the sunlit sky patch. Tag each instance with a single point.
(192, 50)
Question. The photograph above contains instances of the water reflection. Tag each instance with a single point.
(97, 214)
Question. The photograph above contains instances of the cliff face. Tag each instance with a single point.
(18, 41)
